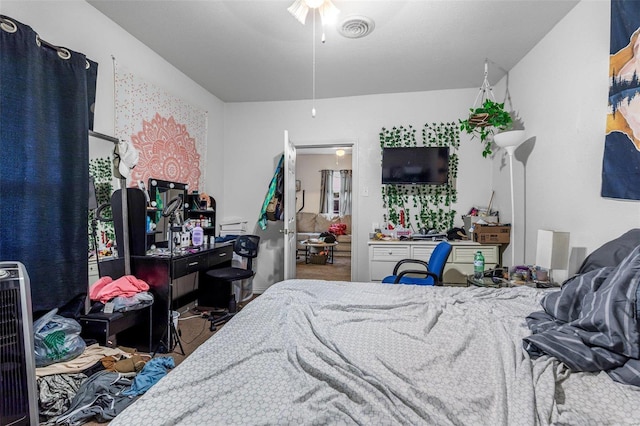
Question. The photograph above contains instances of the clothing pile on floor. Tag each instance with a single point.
(97, 385)
(79, 382)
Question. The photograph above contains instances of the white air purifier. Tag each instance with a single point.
(18, 389)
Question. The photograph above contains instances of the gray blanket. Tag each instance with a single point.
(592, 323)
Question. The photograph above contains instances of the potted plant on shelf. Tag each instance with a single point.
(486, 120)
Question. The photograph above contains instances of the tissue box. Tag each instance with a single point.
(470, 220)
(492, 234)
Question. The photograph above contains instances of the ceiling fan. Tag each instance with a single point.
(328, 13)
(326, 9)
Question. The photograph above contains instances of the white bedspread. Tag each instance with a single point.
(322, 352)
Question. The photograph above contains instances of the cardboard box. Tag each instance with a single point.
(492, 234)
(470, 220)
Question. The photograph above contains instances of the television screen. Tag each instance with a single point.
(415, 165)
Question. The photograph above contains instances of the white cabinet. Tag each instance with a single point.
(383, 255)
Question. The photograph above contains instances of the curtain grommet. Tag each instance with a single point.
(8, 25)
(63, 53)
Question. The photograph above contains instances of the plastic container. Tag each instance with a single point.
(174, 316)
(478, 265)
(197, 236)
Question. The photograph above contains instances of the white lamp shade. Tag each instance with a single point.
(552, 251)
(509, 140)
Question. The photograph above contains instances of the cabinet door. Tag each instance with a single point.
(383, 258)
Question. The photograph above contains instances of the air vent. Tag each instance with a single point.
(356, 27)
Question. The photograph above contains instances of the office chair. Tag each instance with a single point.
(245, 246)
(434, 268)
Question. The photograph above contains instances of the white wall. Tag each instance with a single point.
(560, 89)
(308, 168)
(254, 142)
(80, 27)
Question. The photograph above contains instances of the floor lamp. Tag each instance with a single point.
(509, 141)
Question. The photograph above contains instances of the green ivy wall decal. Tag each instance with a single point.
(427, 206)
(101, 170)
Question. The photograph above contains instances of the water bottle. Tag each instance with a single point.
(197, 235)
(478, 265)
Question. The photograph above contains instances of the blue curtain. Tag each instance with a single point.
(45, 92)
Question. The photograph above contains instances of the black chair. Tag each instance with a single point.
(245, 246)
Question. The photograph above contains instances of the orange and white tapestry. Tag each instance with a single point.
(169, 133)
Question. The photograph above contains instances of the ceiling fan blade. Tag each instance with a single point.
(299, 10)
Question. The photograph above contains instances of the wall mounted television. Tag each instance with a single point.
(416, 165)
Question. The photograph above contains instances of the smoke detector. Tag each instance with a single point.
(356, 27)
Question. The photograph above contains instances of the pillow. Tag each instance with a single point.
(306, 222)
(338, 229)
(612, 253)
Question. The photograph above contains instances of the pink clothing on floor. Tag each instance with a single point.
(106, 288)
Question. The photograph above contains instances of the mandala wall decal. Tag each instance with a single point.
(167, 152)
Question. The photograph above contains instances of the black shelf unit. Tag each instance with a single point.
(195, 212)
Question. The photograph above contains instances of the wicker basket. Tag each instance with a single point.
(479, 120)
(318, 259)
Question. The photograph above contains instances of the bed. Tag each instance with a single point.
(323, 352)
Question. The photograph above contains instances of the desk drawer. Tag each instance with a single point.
(222, 255)
(182, 267)
(390, 253)
(466, 254)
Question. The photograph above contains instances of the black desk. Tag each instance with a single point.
(159, 271)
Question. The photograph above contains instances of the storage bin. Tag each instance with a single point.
(318, 259)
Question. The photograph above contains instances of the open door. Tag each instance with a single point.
(289, 208)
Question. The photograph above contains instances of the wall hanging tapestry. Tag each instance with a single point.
(169, 133)
(45, 96)
(621, 163)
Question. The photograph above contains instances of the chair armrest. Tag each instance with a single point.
(426, 273)
(416, 261)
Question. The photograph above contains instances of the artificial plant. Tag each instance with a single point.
(425, 206)
(101, 171)
(485, 121)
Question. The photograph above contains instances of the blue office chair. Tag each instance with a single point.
(431, 275)
(245, 246)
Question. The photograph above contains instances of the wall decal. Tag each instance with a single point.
(170, 134)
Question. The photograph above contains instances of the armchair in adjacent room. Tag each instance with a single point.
(245, 246)
(430, 275)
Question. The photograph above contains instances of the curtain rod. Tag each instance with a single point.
(103, 136)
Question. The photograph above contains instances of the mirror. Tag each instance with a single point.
(161, 193)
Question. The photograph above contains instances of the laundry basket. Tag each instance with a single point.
(318, 259)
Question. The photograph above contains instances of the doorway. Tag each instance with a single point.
(324, 174)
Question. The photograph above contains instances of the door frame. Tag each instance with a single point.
(351, 143)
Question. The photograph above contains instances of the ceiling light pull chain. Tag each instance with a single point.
(313, 75)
